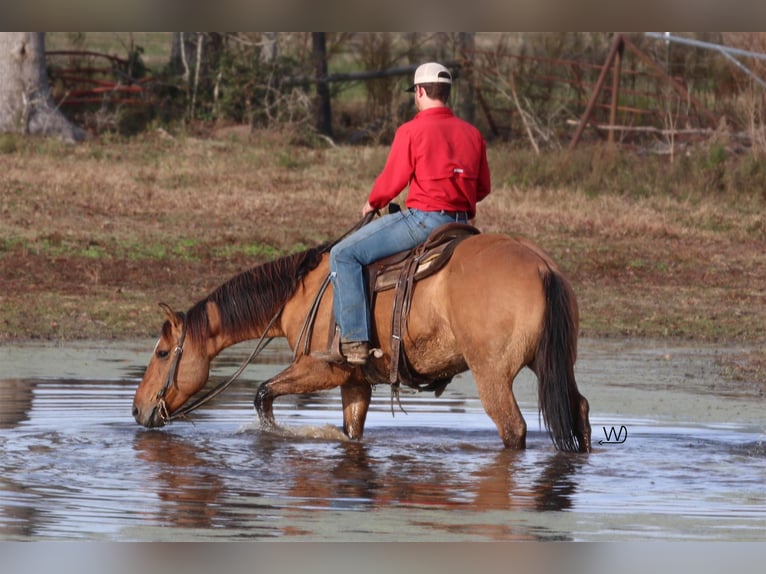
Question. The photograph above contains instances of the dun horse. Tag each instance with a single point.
(499, 305)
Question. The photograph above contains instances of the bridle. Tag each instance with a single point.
(170, 380)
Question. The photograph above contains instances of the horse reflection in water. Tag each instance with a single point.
(288, 488)
(500, 304)
(406, 480)
(183, 480)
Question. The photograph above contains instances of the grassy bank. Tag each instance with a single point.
(93, 236)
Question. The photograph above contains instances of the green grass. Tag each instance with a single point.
(89, 248)
(188, 249)
(256, 251)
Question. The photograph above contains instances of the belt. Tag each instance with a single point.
(456, 214)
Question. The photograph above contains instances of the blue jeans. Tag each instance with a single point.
(378, 239)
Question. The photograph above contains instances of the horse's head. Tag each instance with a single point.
(178, 369)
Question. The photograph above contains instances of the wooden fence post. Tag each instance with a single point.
(616, 70)
(616, 46)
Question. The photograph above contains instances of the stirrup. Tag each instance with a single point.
(332, 354)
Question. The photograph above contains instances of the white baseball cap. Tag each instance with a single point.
(430, 73)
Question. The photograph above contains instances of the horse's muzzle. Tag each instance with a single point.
(153, 420)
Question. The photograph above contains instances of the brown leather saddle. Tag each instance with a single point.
(401, 271)
(419, 262)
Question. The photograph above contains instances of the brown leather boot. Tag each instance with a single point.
(333, 357)
(356, 352)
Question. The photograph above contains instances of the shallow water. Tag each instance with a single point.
(684, 457)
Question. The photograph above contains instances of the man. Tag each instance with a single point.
(444, 161)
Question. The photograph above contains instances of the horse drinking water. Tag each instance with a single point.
(499, 304)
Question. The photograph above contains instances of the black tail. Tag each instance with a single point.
(554, 363)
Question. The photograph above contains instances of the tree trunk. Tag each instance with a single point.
(467, 50)
(26, 105)
(323, 105)
(177, 54)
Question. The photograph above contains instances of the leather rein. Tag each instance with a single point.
(170, 381)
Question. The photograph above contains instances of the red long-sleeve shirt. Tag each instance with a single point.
(442, 158)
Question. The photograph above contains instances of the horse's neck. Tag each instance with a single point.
(291, 315)
(218, 339)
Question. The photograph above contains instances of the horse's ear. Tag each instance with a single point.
(170, 315)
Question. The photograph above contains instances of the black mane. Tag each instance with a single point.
(254, 296)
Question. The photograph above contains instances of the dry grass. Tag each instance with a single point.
(94, 236)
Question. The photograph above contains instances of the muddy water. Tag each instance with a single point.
(683, 457)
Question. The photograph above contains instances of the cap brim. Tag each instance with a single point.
(411, 88)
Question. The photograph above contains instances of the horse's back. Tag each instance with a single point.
(499, 267)
(504, 250)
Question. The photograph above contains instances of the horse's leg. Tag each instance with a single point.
(501, 406)
(494, 381)
(356, 396)
(305, 375)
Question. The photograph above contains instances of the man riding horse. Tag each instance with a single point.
(499, 304)
(444, 161)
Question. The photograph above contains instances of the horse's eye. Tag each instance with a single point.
(162, 354)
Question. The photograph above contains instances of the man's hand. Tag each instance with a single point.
(367, 209)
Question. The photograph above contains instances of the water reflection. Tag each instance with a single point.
(357, 474)
(183, 481)
(16, 397)
(286, 486)
(15, 401)
(16, 520)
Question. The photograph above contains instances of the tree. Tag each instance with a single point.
(26, 105)
(323, 102)
(467, 41)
